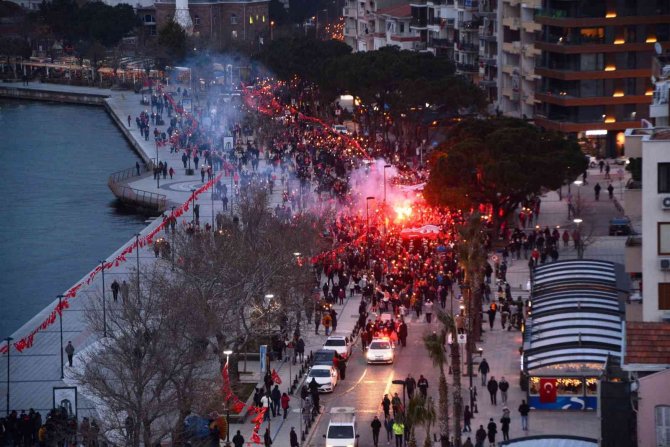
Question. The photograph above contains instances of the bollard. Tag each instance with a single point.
(302, 438)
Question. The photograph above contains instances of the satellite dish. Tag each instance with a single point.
(658, 48)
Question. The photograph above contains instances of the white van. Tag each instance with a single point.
(342, 429)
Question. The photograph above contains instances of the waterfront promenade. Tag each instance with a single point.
(35, 371)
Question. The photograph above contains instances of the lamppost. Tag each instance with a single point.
(9, 350)
(579, 243)
(272, 27)
(367, 229)
(173, 235)
(578, 209)
(60, 320)
(232, 193)
(137, 259)
(213, 223)
(385, 167)
(193, 204)
(268, 301)
(104, 304)
(158, 177)
(227, 353)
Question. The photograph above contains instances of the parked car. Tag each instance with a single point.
(325, 357)
(620, 226)
(339, 344)
(325, 376)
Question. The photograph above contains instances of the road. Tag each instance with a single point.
(365, 385)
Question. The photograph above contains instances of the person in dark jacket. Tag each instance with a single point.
(504, 424)
(293, 438)
(480, 436)
(467, 417)
(492, 430)
(484, 370)
(492, 386)
(376, 427)
(267, 438)
(238, 439)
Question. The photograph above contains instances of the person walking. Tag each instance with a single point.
(376, 427)
(492, 386)
(276, 400)
(484, 370)
(410, 385)
(504, 424)
(238, 439)
(115, 290)
(428, 310)
(129, 121)
(467, 417)
(503, 386)
(284, 403)
(388, 425)
(491, 432)
(597, 189)
(293, 438)
(610, 191)
(524, 409)
(69, 350)
(267, 438)
(480, 436)
(492, 314)
(125, 291)
(317, 322)
(398, 431)
(326, 321)
(386, 405)
(423, 386)
(468, 442)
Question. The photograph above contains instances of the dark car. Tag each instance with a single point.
(620, 226)
(324, 357)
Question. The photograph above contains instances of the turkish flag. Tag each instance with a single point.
(547, 391)
(275, 377)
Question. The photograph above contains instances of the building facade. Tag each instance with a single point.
(223, 22)
(595, 67)
(364, 26)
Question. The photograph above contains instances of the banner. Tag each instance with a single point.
(547, 391)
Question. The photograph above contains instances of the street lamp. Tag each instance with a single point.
(60, 320)
(158, 177)
(137, 243)
(104, 304)
(9, 350)
(578, 208)
(367, 229)
(193, 204)
(227, 352)
(385, 167)
(173, 235)
(272, 27)
(580, 250)
(213, 223)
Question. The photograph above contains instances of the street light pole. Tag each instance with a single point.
(158, 177)
(385, 167)
(9, 350)
(213, 223)
(137, 242)
(104, 304)
(60, 320)
(193, 205)
(228, 352)
(172, 231)
(367, 230)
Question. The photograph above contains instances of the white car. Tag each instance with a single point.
(325, 376)
(380, 350)
(340, 128)
(339, 344)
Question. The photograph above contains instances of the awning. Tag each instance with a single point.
(576, 317)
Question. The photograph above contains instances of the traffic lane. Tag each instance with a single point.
(365, 385)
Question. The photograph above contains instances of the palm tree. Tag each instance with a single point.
(435, 346)
(450, 328)
(473, 257)
(419, 412)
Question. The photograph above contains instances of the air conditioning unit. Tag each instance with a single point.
(665, 203)
(665, 264)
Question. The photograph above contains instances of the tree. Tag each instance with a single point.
(449, 327)
(472, 257)
(434, 344)
(498, 163)
(173, 37)
(420, 412)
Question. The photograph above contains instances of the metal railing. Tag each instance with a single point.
(468, 46)
(125, 174)
(142, 198)
(467, 68)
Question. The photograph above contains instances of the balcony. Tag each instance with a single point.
(632, 146)
(512, 47)
(529, 50)
(468, 26)
(512, 23)
(531, 26)
(350, 31)
(467, 47)
(442, 43)
(419, 46)
(467, 68)
(511, 93)
(489, 61)
(419, 24)
(487, 9)
(532, 4)
(575, 99)
(571, 123)
(487, 82)
(487, 35)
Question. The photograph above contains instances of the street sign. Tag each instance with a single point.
(263, 359)
(462, 339)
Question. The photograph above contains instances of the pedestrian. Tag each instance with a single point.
(115, 290)
(524, 409)
(398, 431)
(428, 310)
(388, 425)
(129, 121)
(125, 291)
(284, 403)
(276, 400)
(484, 370)
(597, 189)
(422, 383)
(610, 191)
(293, 438)
(317, 322)
(266, 405)
(386, 405)
(267, 438)
(69, 350)
(342, 368)
(492, 314)
(396, 404)
(492, 431)
(492, 386)
(480, 436)
(376, 427)
(364, 339)
(504, 424)
(503, 386)
(402, 334)
(137, 167)
(467, 417)
(238, 439)
(171, 172)
(300, 350)
(326, 321)
(467, 443)
(607, 171)
(410, 385)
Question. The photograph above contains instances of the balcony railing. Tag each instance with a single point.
(467, 68)
(468, 46)
(418, 23)
(442, 43)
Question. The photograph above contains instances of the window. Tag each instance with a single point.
(664, 296)
(251, 20)
(234, 34)
(402, 27)
(664, 238)
(196, 20)
(663, 178)
(663, 425)
(233, 21)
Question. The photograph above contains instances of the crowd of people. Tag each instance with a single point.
(60, 428)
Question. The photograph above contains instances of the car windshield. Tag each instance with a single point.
(335, 343)
(324, 357)
(340, 432)
(319, 373)
(380, 345)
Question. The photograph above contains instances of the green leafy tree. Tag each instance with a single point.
(420, 412)
(499, 163)
(434, 344)
(449, 327)
(173, 38)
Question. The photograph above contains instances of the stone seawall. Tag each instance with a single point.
(54, 96)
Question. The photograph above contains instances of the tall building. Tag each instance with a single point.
(361, 24)
(224, 22)
(517, 34)
(595, 67)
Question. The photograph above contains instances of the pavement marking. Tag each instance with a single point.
(358, 382)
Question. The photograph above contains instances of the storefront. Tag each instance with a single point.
(575, 324)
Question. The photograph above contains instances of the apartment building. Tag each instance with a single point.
(365, 24)
(517, 79)
(595, 67)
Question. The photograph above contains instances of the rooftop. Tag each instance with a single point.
(647, 343)
(404, 10)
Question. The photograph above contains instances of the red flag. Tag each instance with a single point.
(547, 391)
(275, 377)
